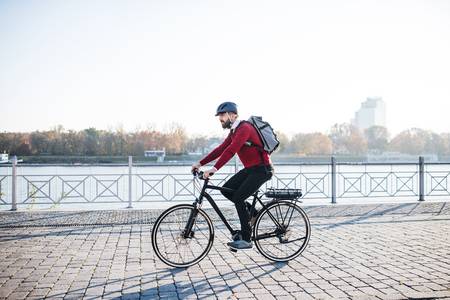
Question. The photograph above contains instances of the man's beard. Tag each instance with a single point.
(226, 124)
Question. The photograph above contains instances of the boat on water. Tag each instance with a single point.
(4, 158)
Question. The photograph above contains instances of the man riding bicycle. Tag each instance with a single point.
(257, 166)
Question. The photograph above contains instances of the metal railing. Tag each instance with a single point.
(139, 185)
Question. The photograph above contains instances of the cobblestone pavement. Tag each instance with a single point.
(389, 251)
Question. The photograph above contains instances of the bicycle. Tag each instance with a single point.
(184, 234)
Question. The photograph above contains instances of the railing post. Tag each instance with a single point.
(333, 180)
(130, 181)
(14, 184)
(236, 164)
(421, 178)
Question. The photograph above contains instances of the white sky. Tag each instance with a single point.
(302, 65)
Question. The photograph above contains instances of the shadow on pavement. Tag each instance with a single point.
(51, 216)
(68, 232)
(172, 290)
(196, 290)
(369, 215)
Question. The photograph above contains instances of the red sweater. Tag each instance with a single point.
(235, 143)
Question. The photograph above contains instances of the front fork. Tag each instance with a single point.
(187, 232)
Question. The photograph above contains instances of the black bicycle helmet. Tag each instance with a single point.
(227, 107)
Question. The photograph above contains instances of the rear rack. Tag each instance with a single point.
(283, 193)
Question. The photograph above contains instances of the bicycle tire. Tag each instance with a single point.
(160, 243)
(304, 227)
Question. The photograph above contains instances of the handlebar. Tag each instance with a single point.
(199, 174)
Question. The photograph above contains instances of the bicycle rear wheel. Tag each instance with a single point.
(173, 244)
(282, 231)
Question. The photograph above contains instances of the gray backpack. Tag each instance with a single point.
(266, 133)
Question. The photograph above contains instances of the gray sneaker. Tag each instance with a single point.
(240, 245)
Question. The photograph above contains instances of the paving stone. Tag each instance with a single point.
(376, 251)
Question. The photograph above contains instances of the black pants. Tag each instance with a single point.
(245, 183)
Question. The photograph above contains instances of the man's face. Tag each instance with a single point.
(223, 118)
(226, 119)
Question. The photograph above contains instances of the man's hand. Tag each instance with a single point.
(195, 167)
(209, 173)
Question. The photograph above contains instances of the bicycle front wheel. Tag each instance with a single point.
(182, 235)
(282, 231)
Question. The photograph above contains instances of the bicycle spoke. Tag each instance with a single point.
(273, 218)
(290, 217)
(266, 235)
(176, 247)
(299, 239)
(278, 210)
(278, 242)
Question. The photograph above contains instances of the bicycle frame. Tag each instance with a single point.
(204, 194)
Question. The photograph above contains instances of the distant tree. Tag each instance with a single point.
(38, 142)
(415, 141)
(377, 138)
(342, 139)
(319, 144)
(174, 140)
(138, 147)
(15, 143)
(91, 141)
(23, 149)
(12, 143)
(433, 141)
(310, 144)
(443, 147)
(284, 142)
(4, 142)
(73, 143)
(154, 140)
(196, 143)
(55, 141)
(120, 142)
(347, 139)
(296, 144)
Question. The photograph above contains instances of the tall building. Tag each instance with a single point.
(371, 113)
